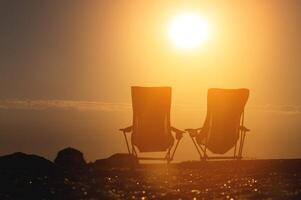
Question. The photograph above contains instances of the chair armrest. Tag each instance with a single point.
(179, 133)
(244, 129)
(127, 129)
(193, 131)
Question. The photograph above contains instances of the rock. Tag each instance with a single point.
(24, 176)
(30, 164)
(117, 160)
(70, 159)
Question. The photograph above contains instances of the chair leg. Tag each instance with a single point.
(197, 148)
(242, 137)
(174, 151)
(127, 143)
(134, 152)
(234, 155)
(168, 159)
(241, 144)
(167, 156)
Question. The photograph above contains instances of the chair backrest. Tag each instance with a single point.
(225, 108)
(151, 118)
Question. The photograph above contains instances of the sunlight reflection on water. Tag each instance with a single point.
(210, 181)
(197, 184)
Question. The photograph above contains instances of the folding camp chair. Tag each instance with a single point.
(151, 129)
(224, 126)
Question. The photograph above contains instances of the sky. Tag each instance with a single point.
(66, 68)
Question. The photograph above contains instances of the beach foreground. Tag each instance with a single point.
(246, 179)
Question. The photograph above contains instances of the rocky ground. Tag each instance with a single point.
(38, 178)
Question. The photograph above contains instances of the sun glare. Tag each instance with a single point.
(188, 31)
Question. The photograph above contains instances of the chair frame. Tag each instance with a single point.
(237, 154)
(169, 153)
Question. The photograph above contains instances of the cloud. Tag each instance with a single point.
(82, 106)
(28, 104)
(279, 109)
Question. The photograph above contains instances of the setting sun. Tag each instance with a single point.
(188, 31)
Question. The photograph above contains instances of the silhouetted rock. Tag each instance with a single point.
(117, 160)
(31, 164)
(70, 159)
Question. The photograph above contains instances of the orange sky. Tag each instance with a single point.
(67, 68)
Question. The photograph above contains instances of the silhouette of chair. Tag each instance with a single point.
(224, 126)
(151, 129)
